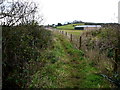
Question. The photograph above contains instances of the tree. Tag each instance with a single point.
(19, 12)
(59, 24)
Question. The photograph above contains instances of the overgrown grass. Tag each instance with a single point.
(100, 45)
(66, 67)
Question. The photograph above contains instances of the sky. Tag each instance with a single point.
(61, 11)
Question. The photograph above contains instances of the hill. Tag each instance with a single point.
(68, 26)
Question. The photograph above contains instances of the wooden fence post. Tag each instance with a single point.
(80, 42)
(62, 32)
(71, 37)
(66, 33)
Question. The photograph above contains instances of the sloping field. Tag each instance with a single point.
(69, 26)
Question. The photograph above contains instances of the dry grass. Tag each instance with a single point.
(100, 61)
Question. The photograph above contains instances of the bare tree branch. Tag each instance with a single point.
(19, 12)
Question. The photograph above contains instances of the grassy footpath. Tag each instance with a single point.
(66, 67)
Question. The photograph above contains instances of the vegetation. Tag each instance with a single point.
(66, 67)
(49, 62)
(23, 42)
(34, 57)
(102, 47)
(69, 26)
(106, 41)
(22, 46)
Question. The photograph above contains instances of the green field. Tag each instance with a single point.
(70, 29)
(69, 26)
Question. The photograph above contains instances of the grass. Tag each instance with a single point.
(66, 67)
(69, 26)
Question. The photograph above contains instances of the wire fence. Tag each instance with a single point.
(80, 42)
(95, 49)
(75, 39)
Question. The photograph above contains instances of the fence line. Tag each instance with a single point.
(78, 42)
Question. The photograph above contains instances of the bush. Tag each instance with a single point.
(21, 44)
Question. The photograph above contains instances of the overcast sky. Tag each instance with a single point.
(62, 11)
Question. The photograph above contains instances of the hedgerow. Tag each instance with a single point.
(22, 44)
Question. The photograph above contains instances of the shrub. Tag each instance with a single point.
(22, 44)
